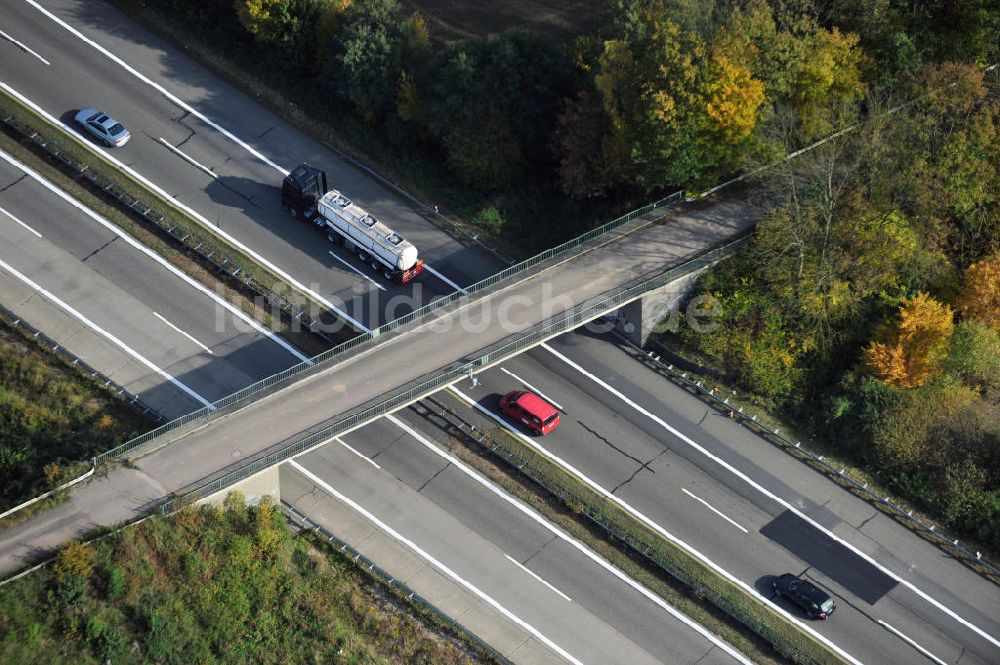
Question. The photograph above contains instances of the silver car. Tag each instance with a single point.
(108, 131)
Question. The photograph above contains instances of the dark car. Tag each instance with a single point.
(530, 410)
(817, 603)
(108, 131)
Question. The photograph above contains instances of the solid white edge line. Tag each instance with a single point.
(20, 222)
(159, 88)
(714, 510)
(531, 387)
(161, 318)
(356, 452)
(23, 47)
(913, 643)
(752, 483)
(356, 270)
(580, 547)
(533, 574)
(235, 311)
(448, 572)
(656, 527)
(180, 153)
(193, 213)
(443, 278)
(104, 333)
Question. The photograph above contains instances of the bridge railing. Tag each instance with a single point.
(263, 384)
(578, 317)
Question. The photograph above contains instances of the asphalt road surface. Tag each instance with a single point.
(586, 612)
(125, 312)
(746, 505)
(177, 114)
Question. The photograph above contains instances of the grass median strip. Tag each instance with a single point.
(161, 225)
(741, 619)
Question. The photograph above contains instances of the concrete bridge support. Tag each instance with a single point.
(639, 318)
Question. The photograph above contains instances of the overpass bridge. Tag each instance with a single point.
(397, 364)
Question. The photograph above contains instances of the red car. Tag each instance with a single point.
(530, 410)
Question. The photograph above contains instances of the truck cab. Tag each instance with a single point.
(301, 189)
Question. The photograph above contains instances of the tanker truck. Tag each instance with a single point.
(303, 194)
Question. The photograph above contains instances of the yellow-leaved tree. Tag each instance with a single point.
(980, 297)
(909, 355)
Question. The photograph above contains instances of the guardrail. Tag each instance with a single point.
(326, 356)
(393, 583)
(774, 435)
(575, 319)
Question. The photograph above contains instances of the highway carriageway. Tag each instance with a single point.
(216, 152)
(393, 492)
(120, 307)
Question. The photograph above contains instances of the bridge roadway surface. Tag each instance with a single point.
(242, 197)
(398, 361)
(53, 252)
(570, 606)
(616, 410)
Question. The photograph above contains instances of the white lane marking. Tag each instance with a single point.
(527, 570)
(914, 644)
(752, 483)
(434, 562)
(194, 214)
(654, 526)
(160, 317)
(20, 222)
(444, 279)
(23, 47)
(532, 388)
(235, 311)
(356, 270)
(104, 333)
(583, 549)
(188, 158)
(714, 510)
(364, 457)
(159, 88)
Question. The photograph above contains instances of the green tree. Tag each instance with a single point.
(974, 355)
(367, 56)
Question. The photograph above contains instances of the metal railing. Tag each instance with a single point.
(437, 305)
(394, 583)
(578, 317)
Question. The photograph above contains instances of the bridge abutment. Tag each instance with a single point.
(639, 318)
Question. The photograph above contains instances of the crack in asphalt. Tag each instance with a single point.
(266, 132)
(703, 418)
(645, 465)
(84, 259)
(609, 444)
(23, 176)
(538, 551)
(866, 521)
(428, 481)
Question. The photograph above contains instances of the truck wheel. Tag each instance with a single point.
(387, 274)
(375, 265)
(333, 237)
(363, 255)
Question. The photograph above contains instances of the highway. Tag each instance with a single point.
(570, 600)
(911, 588)
(746, 505)
(191, 137)
(123, 310)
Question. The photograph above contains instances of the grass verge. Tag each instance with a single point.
(51, 418)
(213, 585)
(685, 582)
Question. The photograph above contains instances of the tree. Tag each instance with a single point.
(980, 297)
(910, 355)
(277, 21)
(367, 56)
(734, 98)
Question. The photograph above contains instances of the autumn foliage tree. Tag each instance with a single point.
(980, 297)
(910, 355)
